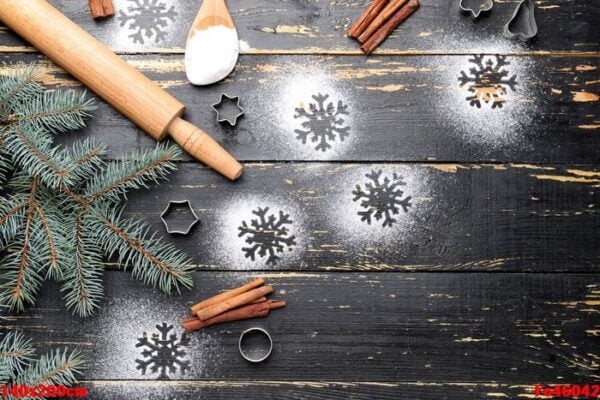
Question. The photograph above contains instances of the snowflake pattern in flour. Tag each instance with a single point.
(163, 353)
(322, 122)
(267, 235)
(488, 81)
(147, 19)
(381, 198)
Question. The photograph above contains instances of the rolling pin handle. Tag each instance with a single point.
(201, 146)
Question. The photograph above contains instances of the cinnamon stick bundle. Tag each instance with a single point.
(227, 295)
(233, 302)
(391, 9)
(101, 9)
(384, 30)
(366, 18)
(256, 310)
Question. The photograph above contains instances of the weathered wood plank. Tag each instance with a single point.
(459, 217)
(426, 327)
(302, 390)
(391, 108)
(313, 26)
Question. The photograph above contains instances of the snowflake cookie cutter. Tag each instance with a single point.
(167, 211)
(230, 99)
(522, 24)
(264, 352)
(484, 6)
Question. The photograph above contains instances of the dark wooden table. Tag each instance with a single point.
(484, 284)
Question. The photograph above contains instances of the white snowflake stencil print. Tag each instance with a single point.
(148, 19)
(323, 123)
(488, 81)
(267, 235)
(381, 198)
(163, 353)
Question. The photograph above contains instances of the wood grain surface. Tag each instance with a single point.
(431, 327)
(314, 26)
(484, 283)
(496, 217)
(401, 109)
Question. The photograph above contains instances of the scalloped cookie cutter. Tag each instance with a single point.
(484, 6)
(167, 211)
(522, 24)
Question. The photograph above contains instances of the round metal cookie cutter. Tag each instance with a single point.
(258, 358)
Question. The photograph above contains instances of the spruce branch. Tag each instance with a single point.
(58, 367)
(17, 88)
(154, 262)
(140, 169)
(12, 211)
(33, 152)
(22, 280)
(57, 111)
(86, 160)
(59, 217)
(16, 353)
(82, 282)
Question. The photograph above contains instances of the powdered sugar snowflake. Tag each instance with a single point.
(163, 353)
(267, 235)
(322, 123)
(381, 199)
(488, 81)
(147, 19)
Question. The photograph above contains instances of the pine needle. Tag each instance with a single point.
(58, 367)
(16, 353)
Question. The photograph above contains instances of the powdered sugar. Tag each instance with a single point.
(211, 54)
(489, 124)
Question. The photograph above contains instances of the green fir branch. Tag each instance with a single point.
(21, 278)
(57, 111)
(82, 282)
(58, 367)
(59, 217)
(12, 212)
(153, 261)
(86, 160)
(16, 353)
(18, 88)
(33, 152)
(139, 170)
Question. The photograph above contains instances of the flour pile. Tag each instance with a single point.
(211, 54)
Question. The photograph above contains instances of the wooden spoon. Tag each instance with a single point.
(212, 47)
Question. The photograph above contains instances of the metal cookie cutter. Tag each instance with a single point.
(484, 5)
(230, 99)
(522, 24)
(167, 211)
(263, 353)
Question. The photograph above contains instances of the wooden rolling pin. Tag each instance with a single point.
(110, 77)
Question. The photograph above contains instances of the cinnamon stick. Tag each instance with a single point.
(233, 302)
(366, 18)
(384, 15)
(101, 8)
(227, 295)
(384, 31)
(109, 9)
(257, 310)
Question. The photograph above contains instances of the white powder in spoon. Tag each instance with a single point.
(211, 54)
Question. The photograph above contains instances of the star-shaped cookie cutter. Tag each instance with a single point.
(221, 101)
(166, 212)
(485, 5)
